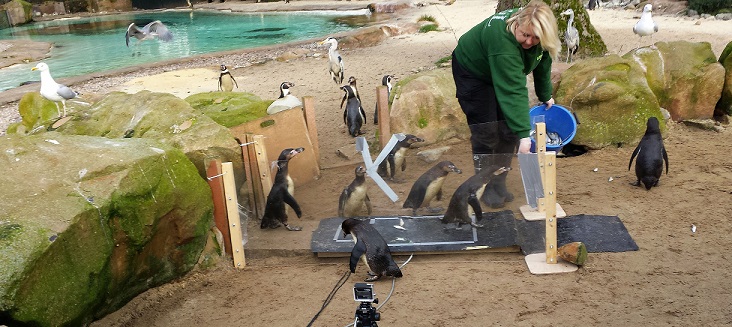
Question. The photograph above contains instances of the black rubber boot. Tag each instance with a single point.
(490, 195)
(499, 184)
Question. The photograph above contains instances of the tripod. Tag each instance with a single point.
(366, 315)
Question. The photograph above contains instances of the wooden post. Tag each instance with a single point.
(248, 178)
(256, 182)
(540, 151)
(265, 173)
(232, 209)
(550, 196)
(308, 108)
(216, 183)
(382, 107)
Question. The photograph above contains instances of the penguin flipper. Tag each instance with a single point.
(665, 158)
(368, 205)
(220, 89)
(235, 83)
(475, 204)
(438, 196)
(392, 165)
(342, 202)
(345, 116)
(290, 200)
(635, 153)
(358, 250)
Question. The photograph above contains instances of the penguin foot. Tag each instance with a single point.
(476, 225)
(636, 183)
(372, 278)
(293, 228)
(371, 273)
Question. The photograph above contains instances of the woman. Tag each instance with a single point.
(489, 65)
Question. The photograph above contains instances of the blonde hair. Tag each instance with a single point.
(544, 25)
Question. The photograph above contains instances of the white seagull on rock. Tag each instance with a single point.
(646, 26)
(571, 35)
(335, 62)
(54, 91)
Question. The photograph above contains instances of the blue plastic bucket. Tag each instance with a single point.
(557, 120)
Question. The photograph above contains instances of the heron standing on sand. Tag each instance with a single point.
(571, 35)
(335, 62)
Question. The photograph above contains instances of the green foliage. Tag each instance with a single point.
(427, 18)
(428, 28)
(443, 60)
(710, 6)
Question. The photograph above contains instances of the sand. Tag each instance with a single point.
(677, 278)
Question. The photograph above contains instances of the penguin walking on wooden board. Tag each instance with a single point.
(354, 197)
(651, 156)
(283, 190)
(352, 83)
(466, 197)
(372, 247)
(397, 157)
(226, 80)
(386, 81)
(353, 115)
(429, 186)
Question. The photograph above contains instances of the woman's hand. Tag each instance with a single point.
(525, 145)
(549, 103)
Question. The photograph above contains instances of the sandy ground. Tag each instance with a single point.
(677, 278)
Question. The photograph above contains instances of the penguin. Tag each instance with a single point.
(282, 192)
(592, 4)
(396, 157)
(429, 186)
(386, 81)
(354, 196)
(372, 247)
(226, 81)
(651, 156)
(353, 116)
(466, 196)
(352, 83)
(285, 101)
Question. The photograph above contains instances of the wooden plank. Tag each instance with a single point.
(265, 172)
(259, 198)
(308, 109)
(216, 183)
(550, 195)
(540, 146)
(248, 182)
(232, 210)
(382, 107)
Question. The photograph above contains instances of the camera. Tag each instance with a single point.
(366, 315)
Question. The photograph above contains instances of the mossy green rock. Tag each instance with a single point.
(35, 111)
(229, 108)
(685, 77)
(424, 104)
(90, 222)
(724, 106)
(611, 99)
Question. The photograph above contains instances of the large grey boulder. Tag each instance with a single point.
(724, 106)
(424, 104)
(611, 98)
(87, 223)
(685, 77)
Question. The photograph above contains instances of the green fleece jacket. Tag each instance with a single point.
(491, 53)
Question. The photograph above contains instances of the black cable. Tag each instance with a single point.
(332, 294)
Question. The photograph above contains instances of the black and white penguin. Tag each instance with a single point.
(466, 197)
(335, 61)
(386, 81)
(396, 157)
(372, 247)
(592, 4)
(354, 197)
(352, 83)
(651, 156)
(429, 186)
(285, 101)
(283, 190)
(226, 80)
(353, 116)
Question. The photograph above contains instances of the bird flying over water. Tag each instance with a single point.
(571, 35)
(646, 26)
(152, 30)
(52, 90)
(335, 62)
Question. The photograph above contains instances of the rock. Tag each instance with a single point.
(707, 124)
(432, 155)
(724, 106)
(89, 223)
(230, 109)
(685, 77)
(18, 12)
(574, 252)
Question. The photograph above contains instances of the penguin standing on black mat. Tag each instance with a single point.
(353, 115)
(396, 157)
(466, 196)
(429, 186)
(226, 80)
(282, 192)
(372, 247)
(386, 81)
(354, 197)
(651, 156)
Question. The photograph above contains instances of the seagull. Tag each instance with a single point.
(571, 35)
(646, 26)
(150, 31)
(335, 62)
(285, 101)
(52, 90)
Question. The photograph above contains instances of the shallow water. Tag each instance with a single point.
(93, 44)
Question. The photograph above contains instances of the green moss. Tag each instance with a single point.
(427, 18)
(428, 28)
(443, 60)
(422, 122)
(8, 231)
(230, 108)
(267, 123)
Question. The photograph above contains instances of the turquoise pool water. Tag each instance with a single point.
(93, 44)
